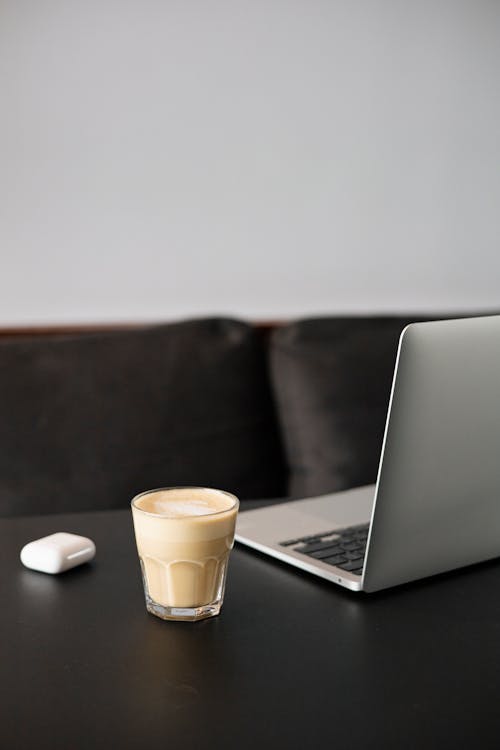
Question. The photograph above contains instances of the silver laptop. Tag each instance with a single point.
(436, 503)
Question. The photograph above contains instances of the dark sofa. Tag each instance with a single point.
(88, 420)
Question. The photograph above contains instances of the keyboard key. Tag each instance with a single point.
(318, 537)
(314, 547)
(354, 554)
(351, 565)
(308, 539)
(327, 552)
(334, 560)
(354, 545)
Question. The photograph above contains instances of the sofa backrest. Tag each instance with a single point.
(332, 380)
(87, 421)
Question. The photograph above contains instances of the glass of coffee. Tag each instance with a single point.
(184, 536)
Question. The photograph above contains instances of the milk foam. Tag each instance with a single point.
(184, 508)
(184, 502)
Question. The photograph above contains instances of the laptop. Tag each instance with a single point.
(436, 503)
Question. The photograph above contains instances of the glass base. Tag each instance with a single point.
(188, 614)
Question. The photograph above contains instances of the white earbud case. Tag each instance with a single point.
(57, 552)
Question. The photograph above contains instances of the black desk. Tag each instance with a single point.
(291, 662)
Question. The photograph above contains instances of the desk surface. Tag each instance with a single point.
(292, 661)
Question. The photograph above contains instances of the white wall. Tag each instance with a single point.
(162, 158)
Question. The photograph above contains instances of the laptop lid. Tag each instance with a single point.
(437, 499)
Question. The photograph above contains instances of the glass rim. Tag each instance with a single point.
(134, 506)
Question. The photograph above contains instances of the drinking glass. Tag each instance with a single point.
(184, 536)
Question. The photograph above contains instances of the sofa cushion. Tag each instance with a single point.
(88, 421)
(332, 380)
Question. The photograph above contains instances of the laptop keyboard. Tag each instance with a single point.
(344, 548)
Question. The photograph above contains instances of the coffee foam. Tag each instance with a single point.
(182, 509)
(184, 502)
